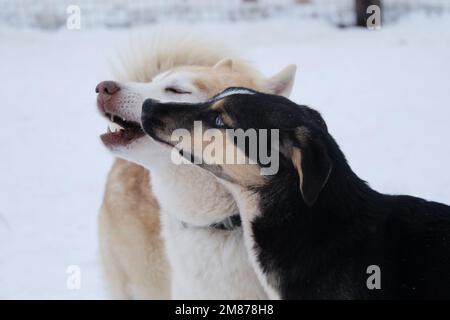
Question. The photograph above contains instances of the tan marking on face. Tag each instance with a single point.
(245, 173)
(248, 174)
(227, 119)
(218, 105)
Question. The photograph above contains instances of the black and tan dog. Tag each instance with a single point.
(314, 229)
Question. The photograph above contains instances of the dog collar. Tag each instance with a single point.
(229, 223)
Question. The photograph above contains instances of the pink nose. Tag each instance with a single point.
(107, 87)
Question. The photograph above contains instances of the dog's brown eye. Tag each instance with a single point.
(177, 90)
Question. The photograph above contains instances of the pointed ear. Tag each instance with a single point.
(312, 162)
(225, 63)
(282, 82)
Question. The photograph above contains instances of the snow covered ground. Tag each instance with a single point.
(384, 94)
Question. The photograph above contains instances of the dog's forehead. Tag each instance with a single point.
(177, 75)
(180, 75)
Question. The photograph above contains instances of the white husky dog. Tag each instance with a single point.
(201, 241)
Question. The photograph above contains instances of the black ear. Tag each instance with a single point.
(311, 159)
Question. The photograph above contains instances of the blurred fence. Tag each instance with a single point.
(51, 14)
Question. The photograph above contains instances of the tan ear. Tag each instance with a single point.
(282, 82)
(310, 157)
(225, 63)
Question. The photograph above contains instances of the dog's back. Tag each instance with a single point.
(417, 241)
(402, 240)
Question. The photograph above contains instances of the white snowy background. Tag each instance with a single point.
(384, 94)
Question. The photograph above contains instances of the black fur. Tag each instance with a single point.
(321, 249)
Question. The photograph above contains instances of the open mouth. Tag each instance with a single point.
(120, 131)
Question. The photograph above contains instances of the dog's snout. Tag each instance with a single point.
(107, 87)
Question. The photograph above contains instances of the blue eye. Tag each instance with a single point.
(219, 121)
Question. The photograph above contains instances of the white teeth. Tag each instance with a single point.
(114, 127)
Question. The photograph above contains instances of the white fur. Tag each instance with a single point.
(247, 203)
(208, 264)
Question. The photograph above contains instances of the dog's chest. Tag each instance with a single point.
(208, 263)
